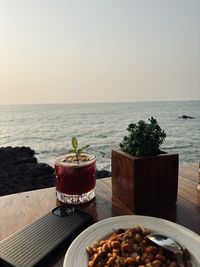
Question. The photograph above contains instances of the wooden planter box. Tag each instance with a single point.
(145, 183)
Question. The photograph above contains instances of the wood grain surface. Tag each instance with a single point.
(18, 210)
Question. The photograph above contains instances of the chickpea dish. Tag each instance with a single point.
(131, 248)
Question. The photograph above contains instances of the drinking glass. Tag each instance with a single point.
(75, 181)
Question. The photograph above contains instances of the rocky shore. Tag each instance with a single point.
(20, 171)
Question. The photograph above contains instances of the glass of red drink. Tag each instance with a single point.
(75, 178)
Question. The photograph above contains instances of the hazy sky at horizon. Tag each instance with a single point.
(99, 51)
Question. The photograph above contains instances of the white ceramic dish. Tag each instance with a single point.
(76, 254)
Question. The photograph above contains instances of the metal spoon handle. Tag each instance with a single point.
(179, 256)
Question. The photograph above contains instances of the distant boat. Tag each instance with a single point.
(186, 117)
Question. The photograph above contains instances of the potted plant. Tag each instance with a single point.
(75, 175)
(143, 176)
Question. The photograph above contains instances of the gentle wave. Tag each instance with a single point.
(176, 147)
(48, 128)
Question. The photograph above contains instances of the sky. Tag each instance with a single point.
(70, 51)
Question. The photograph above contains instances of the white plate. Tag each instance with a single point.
(76, 254)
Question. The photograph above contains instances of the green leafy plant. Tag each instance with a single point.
(144, 139)
(78, 151)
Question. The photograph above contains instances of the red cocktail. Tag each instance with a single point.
(75, 179)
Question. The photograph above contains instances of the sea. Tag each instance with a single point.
(48, 128)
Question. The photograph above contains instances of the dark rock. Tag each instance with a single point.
(186, 117)
(16, 154)
(102, 174)
(19, 171)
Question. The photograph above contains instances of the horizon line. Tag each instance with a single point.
(99, 102)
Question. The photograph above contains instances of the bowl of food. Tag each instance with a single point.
(108, 240)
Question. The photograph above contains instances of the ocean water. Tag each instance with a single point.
(48, 128)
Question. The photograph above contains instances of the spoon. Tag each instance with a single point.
(169, 244)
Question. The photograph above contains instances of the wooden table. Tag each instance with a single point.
(18, 210)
